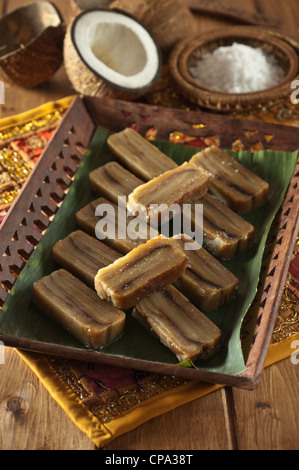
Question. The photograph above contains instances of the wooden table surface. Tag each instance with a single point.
(265, 419)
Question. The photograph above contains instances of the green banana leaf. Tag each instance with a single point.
(20, 319)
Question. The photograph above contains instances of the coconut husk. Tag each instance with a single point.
(139, 9)
(30, 59)
(84, 80)
(169, 21)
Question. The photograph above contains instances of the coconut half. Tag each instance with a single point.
(108, 50)
(31, 44)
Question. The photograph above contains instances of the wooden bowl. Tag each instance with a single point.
(189, 51)
(31, 44)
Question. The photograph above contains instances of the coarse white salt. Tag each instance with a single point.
(237, 69)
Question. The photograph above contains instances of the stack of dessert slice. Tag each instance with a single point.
(167, 285)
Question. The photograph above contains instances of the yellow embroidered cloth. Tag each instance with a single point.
(106, 402)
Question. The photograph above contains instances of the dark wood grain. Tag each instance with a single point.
(30, 419)
(31, 212)
(220, 9)
(210, 429)
(267, 419)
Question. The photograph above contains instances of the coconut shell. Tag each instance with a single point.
(169, 21)
(84, 80)
(36, 61)
(27, 67)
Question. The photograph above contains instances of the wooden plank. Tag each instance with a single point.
(30, 419)
(287, 12)
(207, 22)
(268, 418)
(200, 425)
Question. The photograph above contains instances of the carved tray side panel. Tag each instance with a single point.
(230, 132)
(280, 246)
(34, 210)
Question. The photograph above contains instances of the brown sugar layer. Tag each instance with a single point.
(113, 181)
(206, 282)
(83, 256)
(225, 233)
(139, 155)
(178, 324)
(241, 189)
(78, 309)
(140, 273)
(120, 237)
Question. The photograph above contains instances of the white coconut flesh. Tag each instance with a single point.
(117, 48)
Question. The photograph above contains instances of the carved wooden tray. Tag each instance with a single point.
(47, 186)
